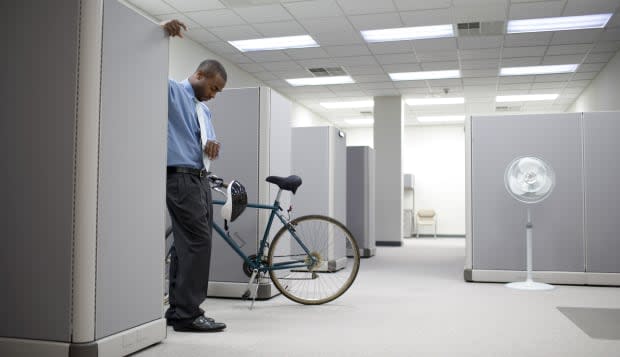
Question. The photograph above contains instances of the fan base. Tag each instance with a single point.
(529, 285)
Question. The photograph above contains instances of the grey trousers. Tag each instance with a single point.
(188, 198)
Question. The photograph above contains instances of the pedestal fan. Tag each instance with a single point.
(529, 180)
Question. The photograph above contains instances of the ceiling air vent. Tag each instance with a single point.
(507, 108)
(492, 28)
(327, 71)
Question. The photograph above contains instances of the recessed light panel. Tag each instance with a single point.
(274, 43)
(532, 70)
(416, 76)
(348, 105)
(408, 33)
(319, 81)
(558, 23)
(525, 97)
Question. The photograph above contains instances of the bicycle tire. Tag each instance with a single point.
(338, 260)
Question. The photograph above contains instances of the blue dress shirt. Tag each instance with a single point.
(184, 146)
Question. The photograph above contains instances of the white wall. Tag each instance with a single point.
(302, 117)
(186, 55)
(435, 155)
(602, 93)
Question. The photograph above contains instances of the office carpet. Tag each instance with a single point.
(407, 301)
(596, 322)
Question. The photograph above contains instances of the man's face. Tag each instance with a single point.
(209, 86)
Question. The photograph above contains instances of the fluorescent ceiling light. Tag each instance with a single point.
(319, 81)
(360, 121)
(408, 33)
(274, 43)
(443, 118)
(434, 101)
(416, 76)
(559, 23)
(525, 97)
(346, 105)
(530, 70)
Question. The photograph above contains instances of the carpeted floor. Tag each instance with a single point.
(406, 301)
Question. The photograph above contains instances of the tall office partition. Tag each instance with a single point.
(319, 157)
(253, 126)
(575, 237)
(361, 197)
(84, 140)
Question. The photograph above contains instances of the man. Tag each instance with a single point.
(188, 195)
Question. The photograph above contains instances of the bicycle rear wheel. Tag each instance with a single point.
(334, 269)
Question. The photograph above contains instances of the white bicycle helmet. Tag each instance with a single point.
(236, 201)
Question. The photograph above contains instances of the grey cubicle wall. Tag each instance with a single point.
(361, 197)
(498, 221)
(37, 138)
(133, 132)
(86, 146)
(602, 194)
(256, 141)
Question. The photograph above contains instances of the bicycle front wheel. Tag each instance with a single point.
(315, 261)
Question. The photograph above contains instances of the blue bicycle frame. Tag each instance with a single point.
(257, 263)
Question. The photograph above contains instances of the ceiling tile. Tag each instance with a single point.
(184, 19)
(264, 76)
(196, 5)
(473, 11)
(528, 39)
(411, 84)
(365, 69)
(432, 56)
(516, 79)
(479, 54)
(610, 35)
(608, 46)
(614, 21)
(427, 17)
(521, 61)
(439, 44)
(578, 84)
(290, 73)
(404, 5)
(252, 67)
(382, 92)
(214, 18)
(153, 7)
(480, 64)
(221, 47)
(232, 33)
(312, 9)
(391, 47)
(445, 82)
(307, 53)
(277, 83)
(316, 62)
(326, 24)
(355, 60)
(356, 7)
(268, 56)
(396, 68)
(587, 7)
(280, 29)
(376, 21)
(396, 58)
(568, 49)
(238, 58)
(265, 13)
(514, 86)
(563, 77)
(547, 85)
(382, 85)
(439, 66)
(572, 91)
(478, 42)
(565, 59)
(585, 75)
(535, 51)
(536, 10)
(590, 67)
(346, 51)
(201, 35)
(575, 36)
(283, 66)
(414, 92)
(492, 81)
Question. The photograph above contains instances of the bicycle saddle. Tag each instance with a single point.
(290, 183)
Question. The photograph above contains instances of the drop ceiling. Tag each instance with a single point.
(336, 26)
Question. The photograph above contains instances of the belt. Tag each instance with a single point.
(187, 170)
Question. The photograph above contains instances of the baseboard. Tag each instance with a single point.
(550, 277)
(386, 243)
(438, 236)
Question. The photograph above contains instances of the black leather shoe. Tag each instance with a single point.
(200, 324)
(171, 322)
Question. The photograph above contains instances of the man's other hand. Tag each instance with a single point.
(212, 149)
(174, 28)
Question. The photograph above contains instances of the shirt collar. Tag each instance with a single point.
(188, 88)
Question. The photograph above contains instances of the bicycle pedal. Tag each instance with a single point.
(246, 295)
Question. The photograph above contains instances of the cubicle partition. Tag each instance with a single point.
(361, 197)
(84, 142)
(576, 230)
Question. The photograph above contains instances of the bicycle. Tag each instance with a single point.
(311, 260)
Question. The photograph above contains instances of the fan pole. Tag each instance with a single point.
(528, 245)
